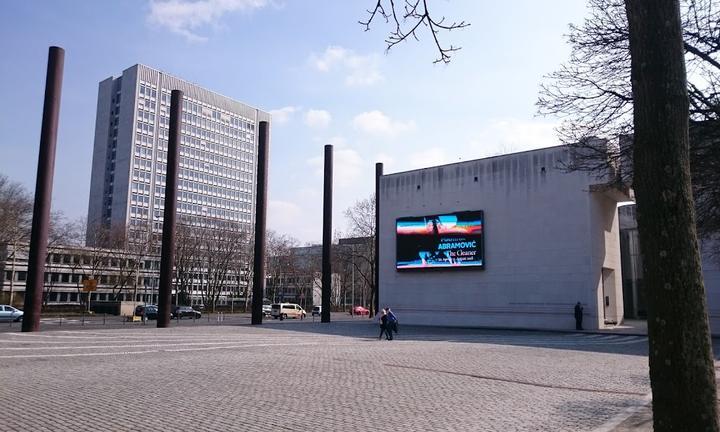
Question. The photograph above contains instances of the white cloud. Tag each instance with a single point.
(377, 123)
(359, 70)
(283, 215)
(502, 136)
(387, 160)
(348, 165)
(317, 118)
(282, 115)
(427, 158)
(186, 16)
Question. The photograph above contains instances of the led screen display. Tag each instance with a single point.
(453, 240)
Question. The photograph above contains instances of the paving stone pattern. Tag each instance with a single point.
(303, 376)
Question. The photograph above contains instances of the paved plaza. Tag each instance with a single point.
(304, 375)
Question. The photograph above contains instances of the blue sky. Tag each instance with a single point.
(309, 63)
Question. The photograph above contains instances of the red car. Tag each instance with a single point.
(359, 310)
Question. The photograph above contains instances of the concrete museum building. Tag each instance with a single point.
(508, 241)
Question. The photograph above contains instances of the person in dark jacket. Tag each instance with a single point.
(578, 316)
(392, 322)
(384, 327)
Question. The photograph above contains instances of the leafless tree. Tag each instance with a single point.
(222, 252)
(408, 17)
(279, 262)
(592, 94)
(359, 251)
(187, 261)
(16, 208)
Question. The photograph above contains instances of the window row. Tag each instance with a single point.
(146, 103)
(142, 176)
(143, 152)
(142, 188)
(140, 200)
(228, 165)
(139, 212)
(211, 156)
(194, 198)
(145, 116)
(214, 126)
(143, 140)
(197, 209)
(145, 128)
(148, 90)
(217, 186)
(143, 164)
(233, 148)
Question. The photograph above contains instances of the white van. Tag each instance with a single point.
(287, 310)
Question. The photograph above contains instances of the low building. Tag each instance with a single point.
(509, 241)
(513, 241)
(120, 276)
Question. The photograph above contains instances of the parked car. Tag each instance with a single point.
(148, 311)
(9, 313)
(359, 310)
(287, 310)
(317, 310)
(267, 309)
(185, 312)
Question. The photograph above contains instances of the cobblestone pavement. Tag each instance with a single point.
(300, 376)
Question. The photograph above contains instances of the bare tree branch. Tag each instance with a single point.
(416, 14)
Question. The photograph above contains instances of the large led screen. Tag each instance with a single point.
(443, 241)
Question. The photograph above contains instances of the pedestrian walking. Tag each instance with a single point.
(384, 325)
(392, 322)
(578, 316)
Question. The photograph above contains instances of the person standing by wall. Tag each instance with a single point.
(578, 316)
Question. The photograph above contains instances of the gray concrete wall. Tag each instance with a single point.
(547, 238)
(123, 160)
(99, 159)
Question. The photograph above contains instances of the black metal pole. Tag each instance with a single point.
(43, 191)
(167, 254)
(378, 174)
(327, 235)
(260, 222)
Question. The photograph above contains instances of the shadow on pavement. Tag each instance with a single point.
(367, 330)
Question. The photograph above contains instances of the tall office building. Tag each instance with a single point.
(217, 156)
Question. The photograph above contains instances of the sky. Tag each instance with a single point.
(312, 65)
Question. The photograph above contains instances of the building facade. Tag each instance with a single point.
(632, 269)
(633, 288)
(120, 275)
(218, 154)
(547, 239)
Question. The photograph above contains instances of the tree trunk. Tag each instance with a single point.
(682, 374)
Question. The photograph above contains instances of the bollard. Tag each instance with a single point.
(59, 321)
(104, 316)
